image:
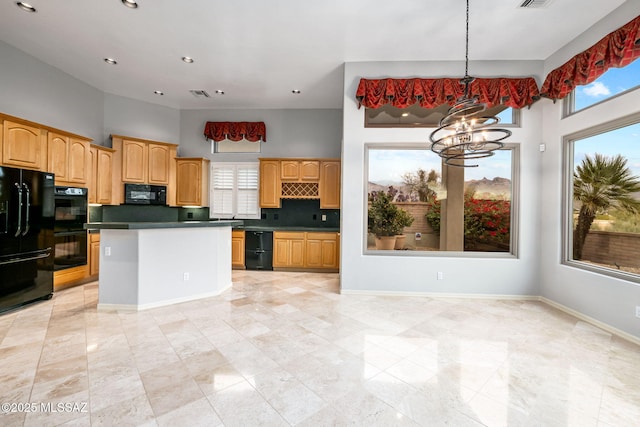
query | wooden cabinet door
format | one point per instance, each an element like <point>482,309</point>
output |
<point>314,252</point>
<point>289,170</point>
<point>135,161</point>
<point>23,146</point>
<point>281,252</point>
<point>159,161</point>
<point>269,184</point>
<point>297,253</point>
<point>93,176</point>
<point>309,170</point>
<point>58,156</point>
<point>237,249</point>
<point>104,183</point>
<point>329,186</point>
<point>288,249</point>
<point>78,164</point>
<point>189,183</point>
<point>94,257</point>
<point>322,250</point>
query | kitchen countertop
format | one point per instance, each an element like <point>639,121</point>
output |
<point>285,228</point>
<point>143,225</point>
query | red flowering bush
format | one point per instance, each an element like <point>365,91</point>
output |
<point>484,220</point>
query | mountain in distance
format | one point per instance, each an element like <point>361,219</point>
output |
<point>496,188</point>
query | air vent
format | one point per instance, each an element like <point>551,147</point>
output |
<point>535,4</point>
<point>200,93</point>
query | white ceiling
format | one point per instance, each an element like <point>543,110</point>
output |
<point>257,51</point>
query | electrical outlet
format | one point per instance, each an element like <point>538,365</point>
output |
<point>107,251</point>
<point>637,310</point>
<point>440,275</point>
<point>324,217</point>
<point>185,276</point>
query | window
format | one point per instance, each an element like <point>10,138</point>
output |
<point>416,116</point>
<point>228,146</point>
<point>612,83</point>
<point>411,178</point>
<point>234,191</point>
<point>602,196</point>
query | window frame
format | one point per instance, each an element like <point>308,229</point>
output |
<point>568,149</point>
<point>513,253</point>
<point>235,190</point>
<point>569,102</point>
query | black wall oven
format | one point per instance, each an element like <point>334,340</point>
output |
<point>70,237</point>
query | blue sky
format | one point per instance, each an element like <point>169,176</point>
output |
<point>624,141</point>
<point>387,166</point>
<point>613,82</point>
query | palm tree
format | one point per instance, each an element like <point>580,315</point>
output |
<point>600,183</point>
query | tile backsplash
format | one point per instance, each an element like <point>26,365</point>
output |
<point>302,213</point>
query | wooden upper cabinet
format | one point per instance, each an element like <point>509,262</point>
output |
<point>100,183</point>
<point>299,170</point>
<point>309,170</point>
<point>23,146</point>
<point>159,161</point>
<point>78,167</point>
<point>68,158</point>
<point>289,170</point>
<point>104,184</point>
<point>269,183</point>
<point>192,181</point>
<point>330,185</point>
<point>135,161</point>
<point>58,155</point>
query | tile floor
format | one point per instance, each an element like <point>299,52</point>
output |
<point>284,349</point>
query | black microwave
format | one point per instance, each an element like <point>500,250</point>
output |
<point>145,194</point>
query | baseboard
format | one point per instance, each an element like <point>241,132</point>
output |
<point>439,295</point>
<point>140,307</point>
<point>599,324</point>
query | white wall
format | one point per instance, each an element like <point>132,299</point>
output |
<point>600,297</point>
<point>129,117</point>
<point>417,274</point>
<point>290,133</point>
<point>35,91</point>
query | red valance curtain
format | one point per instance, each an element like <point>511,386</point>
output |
<point>235,131</point>
<point>617,49</point>
<point>430,93</point>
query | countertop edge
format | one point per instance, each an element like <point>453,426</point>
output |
<point>142,225</point>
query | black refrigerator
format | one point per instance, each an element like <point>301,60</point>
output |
<point>26,236</point>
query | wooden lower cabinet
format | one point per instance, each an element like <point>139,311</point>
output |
<point>94,254</point>
<point>305,250</point>
<point>322,250</point>
<point>288,249</point>
<point>237,249</point>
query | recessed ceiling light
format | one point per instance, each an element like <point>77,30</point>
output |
<point>25,6</point>
<point>110,61</point>
<point>220,92</point>
<point>296,91</point>
<point>130,4</point>
<point>187,59</point>
<point>158,92</point>
<point>405,114</point>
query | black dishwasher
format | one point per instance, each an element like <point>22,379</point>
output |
<point>258,250</point>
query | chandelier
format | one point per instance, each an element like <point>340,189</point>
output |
<point>464,133</point>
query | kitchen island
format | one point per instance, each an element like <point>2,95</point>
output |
<point>152,264</point>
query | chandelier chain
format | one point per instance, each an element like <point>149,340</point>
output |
<point>466,54</point>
